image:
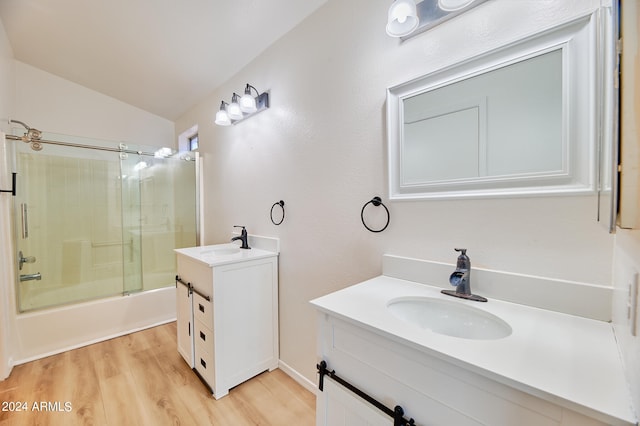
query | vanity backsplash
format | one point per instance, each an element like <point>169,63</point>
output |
<point>570,297</point>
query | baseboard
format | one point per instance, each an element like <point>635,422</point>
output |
<point>299,378</point>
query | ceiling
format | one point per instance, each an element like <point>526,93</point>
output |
<point>162,56</point>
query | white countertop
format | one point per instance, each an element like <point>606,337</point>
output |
<point>224,254</point>
<point>567,360</point>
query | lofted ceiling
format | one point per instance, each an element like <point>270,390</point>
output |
<point>162,56</point>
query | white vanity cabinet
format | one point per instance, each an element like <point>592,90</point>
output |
<point>430,390</point>
<point>233,321</point>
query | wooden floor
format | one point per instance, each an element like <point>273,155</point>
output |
<point>140,379</point>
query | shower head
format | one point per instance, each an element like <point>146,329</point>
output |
<point>20,123</point>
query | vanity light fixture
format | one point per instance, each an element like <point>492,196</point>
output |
<point>242,107</point>
<point>407,19</point>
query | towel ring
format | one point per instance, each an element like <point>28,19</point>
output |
<point>376,201</point>
<point>281,204</point>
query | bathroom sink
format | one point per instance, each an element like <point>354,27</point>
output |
<point>223,250</point>
<point>451,318</point>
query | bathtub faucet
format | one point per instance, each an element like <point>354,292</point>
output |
<point>243,237</point>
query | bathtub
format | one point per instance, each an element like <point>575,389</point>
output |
<point>47,332</point>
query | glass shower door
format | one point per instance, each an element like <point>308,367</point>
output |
<point>169,204</point>
<point>161,192</point>
<point>130,165</point>
<point>68,226</point>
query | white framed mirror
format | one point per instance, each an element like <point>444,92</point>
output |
<point>517,121</point>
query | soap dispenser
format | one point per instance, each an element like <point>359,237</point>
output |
<point>461,279</point>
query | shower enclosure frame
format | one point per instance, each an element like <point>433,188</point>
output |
<point>101,310</point>
<point>33,137</point>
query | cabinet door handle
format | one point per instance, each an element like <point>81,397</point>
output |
<point>189,329</point>
<point>25,221</point>
<point>204,364</point>
<point>201,307</point>
<point>203,336</point>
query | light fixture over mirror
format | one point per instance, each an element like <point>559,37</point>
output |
<point>242,107</point>
<point>407,19</point>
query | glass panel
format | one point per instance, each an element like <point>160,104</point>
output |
<point>131,164</point>
<point>68,206</point>
<point>167,193</point>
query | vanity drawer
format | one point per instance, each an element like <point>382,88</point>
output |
<point>204,361</point>
<point>203,335</point>
<point>203,310</point>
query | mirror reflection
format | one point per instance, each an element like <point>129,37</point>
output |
<point>518,108</point>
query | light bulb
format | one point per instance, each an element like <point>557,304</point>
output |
<point>234,111</point>
<point>222,118</point>
<point>402,9</point>
<point>402,18</point>
<point>248,103</point>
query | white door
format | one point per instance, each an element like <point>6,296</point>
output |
<point>184,314</point>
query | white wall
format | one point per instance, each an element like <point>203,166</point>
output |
<point>52,104</point>
<point>321,148</point>
<point>7,94</point>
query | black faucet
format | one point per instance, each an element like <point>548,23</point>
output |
<point>461,279</point>
<point>242,237</point>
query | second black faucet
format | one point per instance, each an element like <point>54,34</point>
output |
<point>242,237</point>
